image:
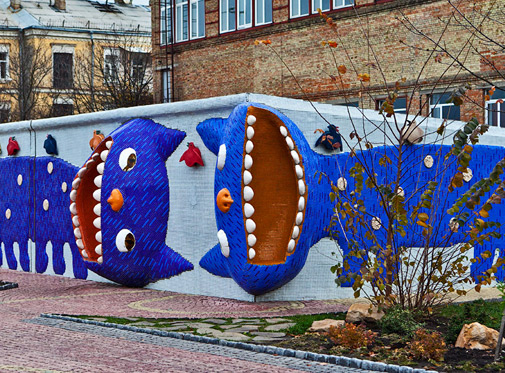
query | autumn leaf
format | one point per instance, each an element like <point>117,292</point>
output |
<point>364,77</point>
<point>332,44</point>
<point>342,69</point>
<point>266,42</point>
<point>499,101</point>
<point>319,130</point>
<point>492,90</point>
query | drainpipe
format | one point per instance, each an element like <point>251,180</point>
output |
<point>92,69</point>
<point>34,194</point>
<point>21,98</point>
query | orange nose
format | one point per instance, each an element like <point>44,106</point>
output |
<point>115,200</point>
<point>223,200</point>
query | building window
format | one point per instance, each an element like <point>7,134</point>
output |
<point>197,18</point>
<point>4,62</point>
<point>139,64</point>
<point>440,108</point>
<point>181,20</point>
<point>62,107</point>
<point>400,105</point>
<point>166,86</point>
<point>110,64</point>
<point>244,17</point>
<point>63,66</point>
<point>5,110</point>
<point>495,109</point>
<point>300,8</point>
<point>166,22</point>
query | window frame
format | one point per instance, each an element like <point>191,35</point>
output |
<point>500,113</point>
<point>4,48</point>
<point>380,101</point>
<point>440,104</point>
<point>254,14</point>
<point>176,31</point>
<point>312,7</point>
<point>166,36</point>
<point>5,108</point>
<point>63,49</point>
<point>111,51</point>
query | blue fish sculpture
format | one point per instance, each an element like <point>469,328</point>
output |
<point>120,205</point>
<point>273,202</point>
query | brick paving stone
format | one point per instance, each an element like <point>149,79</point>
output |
<point>276,327</point>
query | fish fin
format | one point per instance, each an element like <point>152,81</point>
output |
<point>173,264</point>
<point>214,262</point>
<point>168,140</point>
<point>210,132</point>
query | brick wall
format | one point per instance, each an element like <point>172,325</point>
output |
<point>372,38</point>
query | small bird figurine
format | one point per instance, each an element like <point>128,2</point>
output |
<point>330,139</point>
<point>96,139</point>
<point>13,146</point>
<point>192,156</point>
<point>50,145</point>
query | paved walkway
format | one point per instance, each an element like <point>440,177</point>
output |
<point>30,343</point>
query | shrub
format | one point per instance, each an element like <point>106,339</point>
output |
<point>351,336</point>
<point>400,321</point>
<point>428,346</point>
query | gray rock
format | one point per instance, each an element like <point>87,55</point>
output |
<point>208,331</point>
<point>238,321</point>
<point>276,320</point>
<point>276,327</point>
<point>269,334</point>
<point>215,321</point>
<point>234,337</point>
<point>244,329</point>
<point>198,325</point>
<point>104,319</point>
<point>229,326</point>
<point>142,323</point>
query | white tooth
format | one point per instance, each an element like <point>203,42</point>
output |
<point>100,168</point>
<point>248,210</point>
<point>98,249</point>
<point>98,181</point>
<point>249,146</point>
<point>98,236</point>
<point>223,242</point>
<point>251,119</point>
<point>108,144</point>
<point>97,223</point>
<point>252,253</point>
<point>221,157</point>
<point>296,232</point>
<point>251,240</point>
<point>248,193</point>
<point>247,177</point>
<point>295,156</point>
<point>79,244</point>
<point>250,133</point>
<point>299,218</point>
<point>94,155</point>
<point>73,208</point>
<point>73,194</point>
<point>97,194</point>
<point>301,187</point>
<point>104,155</point>
<point>84,253</point>
<point>76,182</point>
<point>100,260</point>
<point>97,209</point>
<point>75,220</point>
<point>77,233</point>
<point>89,163</point>
<point>250,225</point>
<point>299,171</point>
<point>291,245</point>
<point>81,172</point>
<point>284,131</point>
<point>248,161</point>
<point>291,146</point>
<point>301,204</point>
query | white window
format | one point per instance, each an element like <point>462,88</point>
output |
<point>197,19</point>
<point>181,20</point>
<point>299,8</point>
<point>4,62</point>
<point>399,106</point>
<point>166,22</point>
<point>244,13</point>
<point>263,12</point>
<point>495,109</point>
<point>227,14</point>
<point>440,108</point>
<point>342,3</point>
<point>324,5</point>
<point>111,64</point>
<point>166,86</point>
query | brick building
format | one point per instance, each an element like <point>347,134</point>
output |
<point>204,48</point>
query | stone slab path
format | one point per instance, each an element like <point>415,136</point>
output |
<point>30,343</point>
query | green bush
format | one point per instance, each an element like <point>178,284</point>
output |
<point>399,321</point>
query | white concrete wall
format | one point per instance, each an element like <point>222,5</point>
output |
<point>192,226</point>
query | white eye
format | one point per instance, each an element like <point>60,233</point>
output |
<point>125,241</point>
<point>127,159</point>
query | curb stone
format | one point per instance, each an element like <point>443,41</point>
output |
<point>271,350</point>
<point>8,285</point>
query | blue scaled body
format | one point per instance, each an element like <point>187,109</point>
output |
<point>232,256</point>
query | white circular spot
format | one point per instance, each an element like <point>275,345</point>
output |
<point>64,187</point>
<point>8,214</point>
<point>50,167</point>
<point>400,191</point>
<point>20,179</point>
<point>428,161</point>
<point>127,159</point>
<point>125,240</point>
<point>45,205</point>
<point>468,175</point>
<point>342,183</point>
<point>454,225</point>
<point>376,223</point>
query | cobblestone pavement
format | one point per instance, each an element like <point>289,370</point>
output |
<point>30,343</point>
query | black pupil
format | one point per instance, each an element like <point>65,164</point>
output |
<point>129,241</point>
<point>132,159</point>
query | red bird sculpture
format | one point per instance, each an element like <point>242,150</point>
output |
<point>13,146</point>
<point>192,156</point>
